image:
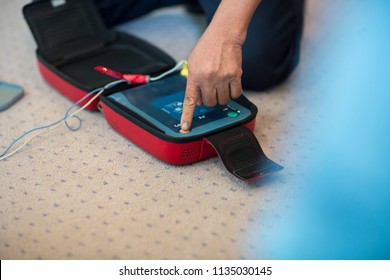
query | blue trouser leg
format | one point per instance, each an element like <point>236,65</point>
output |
<point>271,48</point>
<point>118,11</point>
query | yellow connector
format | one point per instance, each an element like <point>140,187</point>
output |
<point>184,70</point>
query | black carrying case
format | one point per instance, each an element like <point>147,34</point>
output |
<point>72,39</point>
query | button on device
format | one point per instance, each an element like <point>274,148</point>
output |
<point>232,114</point>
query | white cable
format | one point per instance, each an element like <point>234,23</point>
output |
<point>55,125</point>
<point>65,119</point>
<point>170,71</point>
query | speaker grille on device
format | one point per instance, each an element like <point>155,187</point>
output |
<point>189,152</point>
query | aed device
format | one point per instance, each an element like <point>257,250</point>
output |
<point>72,40</point>
<point>149,115</point>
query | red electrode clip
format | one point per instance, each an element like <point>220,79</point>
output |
<point>138,79</point>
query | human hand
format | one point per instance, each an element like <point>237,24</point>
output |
<point>214,74</point>
<point>214,65</point>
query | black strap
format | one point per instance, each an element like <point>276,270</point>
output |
<point>241,154</point>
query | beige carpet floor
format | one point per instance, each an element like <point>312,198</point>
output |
<point>92,194</point>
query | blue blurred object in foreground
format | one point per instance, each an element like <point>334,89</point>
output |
<point>343,210</point>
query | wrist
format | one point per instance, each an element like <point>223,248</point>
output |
<point>232,19</point>
<point>223,33</point>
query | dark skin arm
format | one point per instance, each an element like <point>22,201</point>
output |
<point>215,63</point>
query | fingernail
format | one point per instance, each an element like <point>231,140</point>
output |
<point>185,126</point>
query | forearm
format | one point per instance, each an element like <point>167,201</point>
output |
<point>232,18</point>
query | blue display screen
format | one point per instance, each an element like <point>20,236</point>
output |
<point>173,105</point>
<point>163,102</point>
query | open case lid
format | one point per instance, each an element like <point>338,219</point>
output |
<point>72,39</point>
<point>61,27</point>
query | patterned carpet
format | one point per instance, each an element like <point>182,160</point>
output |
<point>92,194</point>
